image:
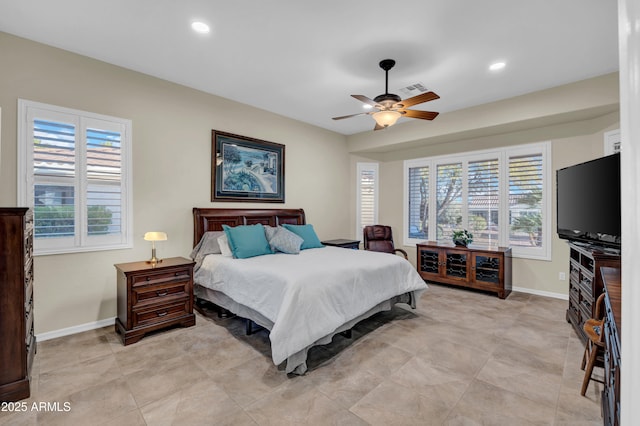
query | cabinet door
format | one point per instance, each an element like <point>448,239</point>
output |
<point>429,265</point>
<point>456,265</point>
<point>486,268</point>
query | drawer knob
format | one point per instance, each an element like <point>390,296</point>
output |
<point>161,293</point>
<point>148,278</point>
<point>161,314</point>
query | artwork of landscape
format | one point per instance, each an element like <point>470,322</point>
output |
<point>247,169</point>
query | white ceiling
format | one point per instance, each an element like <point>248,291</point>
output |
<point>303,59</point>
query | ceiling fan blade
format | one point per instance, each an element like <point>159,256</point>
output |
<point>424,97</point>
<point>379,127</point>
<point>348,116</point>
<point>366,100</point>
<point>424,115</point>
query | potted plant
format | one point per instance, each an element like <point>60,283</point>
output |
<point>462,237</point>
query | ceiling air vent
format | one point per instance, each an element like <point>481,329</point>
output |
<point>413,90</point>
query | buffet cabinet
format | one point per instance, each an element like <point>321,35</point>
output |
<point>479,268</point>
<point>18,345</point>
<point>585,282</point>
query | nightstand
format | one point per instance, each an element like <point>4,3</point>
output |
<point>153,297</point>
<point>350,244</point>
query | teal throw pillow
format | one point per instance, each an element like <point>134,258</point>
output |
<point>247,241</point>
<point>307,233</point>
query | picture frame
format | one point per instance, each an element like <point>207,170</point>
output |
<point>246,169</point>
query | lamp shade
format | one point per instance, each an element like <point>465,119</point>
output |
<point>155,236</point>
<point>386,118</point>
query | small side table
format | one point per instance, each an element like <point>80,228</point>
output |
<point>349,244</point>
<point>153,297</point>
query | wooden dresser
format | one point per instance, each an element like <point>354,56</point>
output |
<point>585,282</point>
<point>474,267</point>
<point>611,279</point>
<point>17,339</point>
<point>154,296</point>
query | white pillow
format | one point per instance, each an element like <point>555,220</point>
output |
<point>224,246</point>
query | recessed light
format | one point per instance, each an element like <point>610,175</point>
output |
<point>200,27</point>
<point>496,66</point>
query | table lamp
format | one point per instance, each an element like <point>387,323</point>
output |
<point>153,237</point>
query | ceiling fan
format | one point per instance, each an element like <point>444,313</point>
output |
<point>389,107</point>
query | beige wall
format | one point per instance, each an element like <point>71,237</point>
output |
<point>171,166</point>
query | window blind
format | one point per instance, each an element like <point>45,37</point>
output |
<point>418,188</point>
<point>525,200</point>
<point>483,201</point>
<point>449,200</point>
<point>54,170</point>
<point>367,197</point>
<point>104,177</point>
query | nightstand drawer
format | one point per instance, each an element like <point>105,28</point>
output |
<point>152,294</point>
<point>163,277</point>
<point>160,313</point>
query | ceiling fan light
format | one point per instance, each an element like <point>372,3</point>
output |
<point>386,118</point>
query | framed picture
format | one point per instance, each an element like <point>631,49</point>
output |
<point>246,169</point>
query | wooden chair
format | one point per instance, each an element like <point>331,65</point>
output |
<point>594,328</point>
<point>380,238</point>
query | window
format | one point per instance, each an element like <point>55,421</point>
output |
<point>448,199</point>
<point>418,196</point>
<point>483,201</point>
<point>367,196</point>
<point>74,171</point>
<point>502,196</point>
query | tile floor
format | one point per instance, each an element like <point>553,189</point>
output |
<point>462,358</point>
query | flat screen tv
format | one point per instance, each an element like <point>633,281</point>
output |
<point>589,202</point>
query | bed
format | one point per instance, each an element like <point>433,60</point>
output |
<point>300,299</point>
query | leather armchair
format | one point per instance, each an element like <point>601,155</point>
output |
<point>380,238</point>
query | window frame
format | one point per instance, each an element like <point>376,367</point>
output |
<point>81,241</point>
<point>361,167</point>
<point>503,155</point>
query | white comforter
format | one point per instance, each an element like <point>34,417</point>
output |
<point>310,295</point>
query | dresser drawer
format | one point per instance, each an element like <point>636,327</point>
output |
<point>159,293</point>
<point>174,275</point>
<point>160,313</point>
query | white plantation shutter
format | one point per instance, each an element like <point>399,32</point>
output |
<point>367,196</point>
<point>483,201</point>
<point>449,200</point>
<point>418,195</point>
<point>104,179</point>
<point>74,171</point>
<point>525,200</point>
<point>501,196</point>
<point>54,177</point>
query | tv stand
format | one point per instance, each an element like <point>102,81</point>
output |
<point>585,282</point>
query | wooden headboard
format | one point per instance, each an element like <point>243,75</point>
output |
<point>205,219</point>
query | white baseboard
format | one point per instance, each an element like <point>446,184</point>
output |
<point>75,329</point>
<point>541,293</point>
